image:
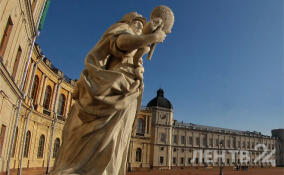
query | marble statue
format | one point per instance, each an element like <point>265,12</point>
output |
<point>108,95</point>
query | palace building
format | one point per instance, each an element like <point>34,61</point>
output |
<point>38,136</point>
<point>42,116</point>
<point>19,22</point>
<point>162,142</point>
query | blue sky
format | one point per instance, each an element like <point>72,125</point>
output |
<point>222,65</point>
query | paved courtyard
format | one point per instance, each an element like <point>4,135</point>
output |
<point>191,171</point>
<point>214,171</point>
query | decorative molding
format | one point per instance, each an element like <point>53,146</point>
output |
<point>9,80</point>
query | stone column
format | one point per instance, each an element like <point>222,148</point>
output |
<point>67,104</point>
<point>28,80</point>
<point>185,135</point>
<point>150,124</point>
<point>157,135</point>
<point>43,90</point>
<point>192,134</point>
<point>56,100</point>
<point>224,144</point>
<point>142,155</point>
<point>146,124</point>
<point>199,140</point>
<point>40,89</point>
<point>53,105</point>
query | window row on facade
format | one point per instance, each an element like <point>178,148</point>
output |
<point>198,161</point>
<point>241,143</point>
<point>43,93</point>
<point>40,146</point>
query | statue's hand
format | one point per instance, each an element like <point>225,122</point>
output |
<point>159,36</point>
<point>152,26</point>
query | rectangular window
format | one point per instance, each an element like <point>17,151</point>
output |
<point>211,141</point>
<point>162,148</point>
<point>163,137</point>
<point>189,160</point>
<point>244,144</point>
<point>196,160</point>
<point>239,144</point>
<point>229,143</point>
<point>17,60</point>
<point>234,142</point>
<point>217,142</point>
<point>222,142</point>
<point>181,160</point>
<point>190,140</point>
<point>197,141</point>
<point>204,141</point>
<point>2,137</point>
<point>182,139</point>
<point>161,160</point>
<point>5,37</point>
<point>175,139</point>
<point>174,160</point>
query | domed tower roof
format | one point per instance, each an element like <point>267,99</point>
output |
<point>160,101</point>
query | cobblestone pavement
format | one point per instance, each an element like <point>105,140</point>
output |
<point>214,171</point>
<point>191,171</point>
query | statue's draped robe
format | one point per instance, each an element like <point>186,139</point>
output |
<point>97,132</point>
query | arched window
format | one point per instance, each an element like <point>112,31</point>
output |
<point>47,97</point>
<point>61,104</point>
<point>40,146</point>
<point>27,144</point>
<point>15,142</point>
<point>140,125</point>
<point>56,147</point>
<point>35,87</point>
<point>138,155</point>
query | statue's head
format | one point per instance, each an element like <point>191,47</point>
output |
<point>132,16</point>
<point>135,21</point>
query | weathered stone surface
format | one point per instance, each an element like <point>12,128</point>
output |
<point>97,132</point>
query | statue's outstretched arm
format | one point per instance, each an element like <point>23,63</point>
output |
<point>128,42</point>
